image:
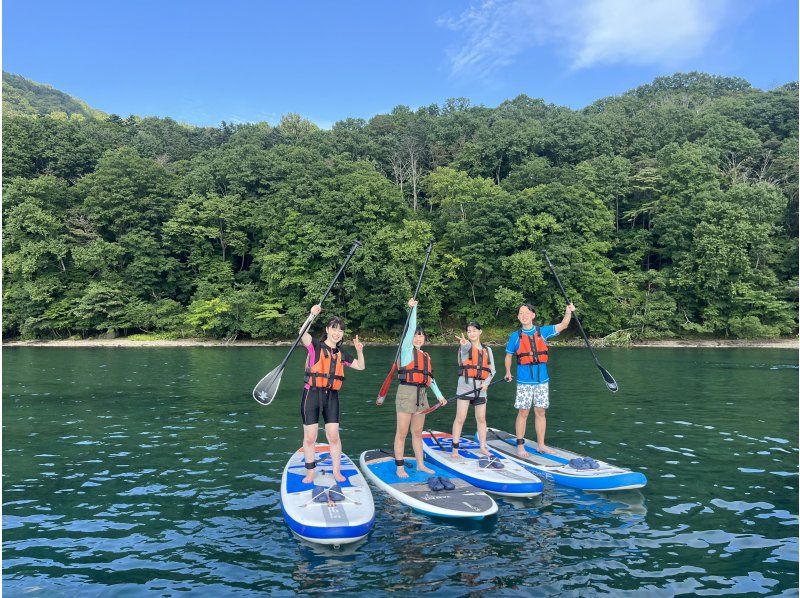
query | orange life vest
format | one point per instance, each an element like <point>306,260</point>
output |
<point>477,366</point>
<point>418,372</point>
<point>531,352</point>
<point>328,371</point>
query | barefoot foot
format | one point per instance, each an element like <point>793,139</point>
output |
<point>401,472</point>
<point>338,476</point>
<point>544,449</point>
<point>425,469</point>
<point>521,452</point>
<point>309,477</point>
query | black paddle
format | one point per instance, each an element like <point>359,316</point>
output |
<point>387,382</point>
<point>608,378</point>
<point>466,394</point>
<point>267,388</point>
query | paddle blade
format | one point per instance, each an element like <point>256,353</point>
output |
<point>386,384</point>
<point>609,379</point>
<point>267,388</point>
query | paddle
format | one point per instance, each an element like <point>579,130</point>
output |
<point>267,388</point>
<point>466,394</point>
<point>608,378</point>
<point>393,370</point>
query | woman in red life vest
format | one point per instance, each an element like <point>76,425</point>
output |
<point>324,377</point>
<point>416,376</point>
<point>475,372</point>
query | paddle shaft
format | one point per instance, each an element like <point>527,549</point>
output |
<point>574,315</point>
<point>387,382</point>
<point>355,246</point>
<point>466,394</point>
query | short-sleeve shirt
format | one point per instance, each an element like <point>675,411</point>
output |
<point>534,373</point>
<point>315,350</point>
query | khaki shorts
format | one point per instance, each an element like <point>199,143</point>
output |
<point>407,398</point>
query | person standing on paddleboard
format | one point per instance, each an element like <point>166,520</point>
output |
<point>475,372</point>
<point>416,376</point>
<point>324,377</point>
<point>533,388</point>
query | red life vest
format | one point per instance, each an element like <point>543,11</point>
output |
<point>328,371</point>
<point>418,372</point>
<point>477,366</point>
<point>531,352</point>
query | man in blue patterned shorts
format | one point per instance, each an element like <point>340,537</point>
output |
<point>533,389</point>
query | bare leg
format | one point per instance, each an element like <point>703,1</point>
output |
<point>332,432</point>
<point>417,423</point>
<point>540,422</point>
<point>309,452</point>
<point>403,422</point>
<point>480,419</point>
<point>462,407</point>
<point>522,420</point>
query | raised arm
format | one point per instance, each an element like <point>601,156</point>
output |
<point>358,363</point>
<point>407,345</point>
<point>306,337</point>
<point>562,325</point>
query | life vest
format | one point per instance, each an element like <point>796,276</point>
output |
<point>531,352</point>
<point>476,366</point>
<point>418,372</point>
<point>328,371</point>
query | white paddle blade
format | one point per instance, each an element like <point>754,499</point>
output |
<point>267,388</point>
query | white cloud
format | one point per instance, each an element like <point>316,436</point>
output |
<point>585,32</point>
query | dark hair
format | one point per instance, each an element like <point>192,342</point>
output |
<point>335,322</point>
<point>474,324</point>
<point>421,330</point>
<point>528,305</point>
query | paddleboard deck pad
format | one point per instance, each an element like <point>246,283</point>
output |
<point>511,479</point>
<point>556,467</point>
<point>348,520</point>
<point>464,502</point>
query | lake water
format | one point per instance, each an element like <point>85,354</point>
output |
<point>153,472</point>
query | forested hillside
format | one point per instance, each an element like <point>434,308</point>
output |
<point>670,211</point>
<point>23,96</point>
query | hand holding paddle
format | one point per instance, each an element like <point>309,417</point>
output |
<point>267,388</point>
<point>608,378</point>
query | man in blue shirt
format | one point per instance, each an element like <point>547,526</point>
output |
<point>533,389</point>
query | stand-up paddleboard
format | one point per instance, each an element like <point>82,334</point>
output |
<point>557,467</point>
<point>499,475</point>
<point>351,516</point>
<point>465,501</point>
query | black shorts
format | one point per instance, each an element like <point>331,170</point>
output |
<point>474,401</point>
<point>316,400</point>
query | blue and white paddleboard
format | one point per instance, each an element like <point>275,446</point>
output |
<point>348,520</point>
<point>557,468</point>
<point>512,479</point>
<point>464,502</point>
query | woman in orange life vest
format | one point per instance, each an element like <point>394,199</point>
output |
<point>475,372</point>
<point>416,376</point>
<point>533,388</point>
<point>324,376</point>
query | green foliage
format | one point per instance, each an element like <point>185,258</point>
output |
<point>671,209</point>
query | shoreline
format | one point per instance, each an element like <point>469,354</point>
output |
<point>782,343</point>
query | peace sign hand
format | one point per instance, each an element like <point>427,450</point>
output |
<point>462,339</point>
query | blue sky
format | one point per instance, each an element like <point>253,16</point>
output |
<point>242,61</point>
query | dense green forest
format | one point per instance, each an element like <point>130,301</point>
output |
<point>670,210</point>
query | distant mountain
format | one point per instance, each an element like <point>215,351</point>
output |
<point>23,96</point>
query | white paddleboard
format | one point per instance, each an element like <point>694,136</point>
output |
<point>465,501</point>
<point>348,520</point>
<point>511,479</point>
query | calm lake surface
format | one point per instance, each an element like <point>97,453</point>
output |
<point>153,472</point>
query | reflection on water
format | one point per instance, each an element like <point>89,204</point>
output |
<point>153,471</point>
